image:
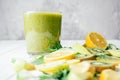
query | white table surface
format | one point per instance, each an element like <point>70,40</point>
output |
<point>16,49</point>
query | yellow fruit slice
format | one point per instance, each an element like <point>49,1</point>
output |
<point>95,40</point>
<point>29,66</point>
<point>53,67</point>
<point>62,54</point>
<point>115,53</point>
<point>109,74</point>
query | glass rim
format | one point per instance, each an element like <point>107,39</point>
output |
<point>45,12</point>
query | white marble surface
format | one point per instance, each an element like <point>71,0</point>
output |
<point>79,17</point>
<point>10,49</point>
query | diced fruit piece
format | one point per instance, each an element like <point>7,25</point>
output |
<point>53,67</point>
<point>100,66</point>
<point>81,71</point>
<point>29,66</point>
<point>81,49</point>
<point>84,57</point>
<point>115,53</point>
<point>109,74</point>
<point>62,54</point>
<point>95,40</point>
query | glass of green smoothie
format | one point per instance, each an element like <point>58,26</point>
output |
<point>42,31</point>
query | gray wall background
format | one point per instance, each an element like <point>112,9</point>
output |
<point>79,17</point>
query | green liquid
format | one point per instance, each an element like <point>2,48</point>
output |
<point>42,31</point>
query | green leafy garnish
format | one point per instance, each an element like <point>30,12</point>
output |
<point>61,75</point>
<point>39,60</point>
<point>97,50</point>
<point>102,55</point>
<point>96,75</point>
<point>56,47</point>
<point>112,47</point>
<point>77,53</point>
<point>46,77</point>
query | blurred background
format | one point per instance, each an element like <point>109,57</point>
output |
<point>79,17</point>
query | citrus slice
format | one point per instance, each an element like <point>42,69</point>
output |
<point>115,53</point>
<point>62,54</point>
<point>95,40</point>
<point>109,74</point>
<point>52,67</point>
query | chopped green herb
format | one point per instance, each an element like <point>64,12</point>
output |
<point>39,60</point>
<point>77,53</point>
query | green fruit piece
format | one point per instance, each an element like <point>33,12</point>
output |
<point>81,49</point>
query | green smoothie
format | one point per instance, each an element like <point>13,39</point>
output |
<point>42,31</point>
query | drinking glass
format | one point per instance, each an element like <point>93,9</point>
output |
<point>42,31</point>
